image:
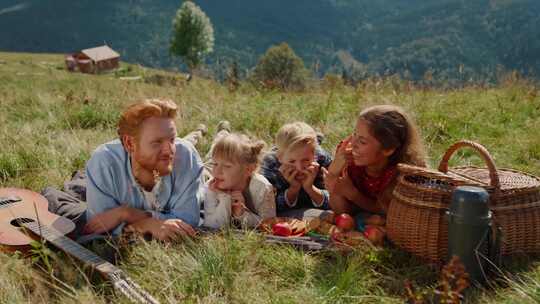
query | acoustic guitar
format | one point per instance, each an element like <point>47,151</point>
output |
<point>24,216</point>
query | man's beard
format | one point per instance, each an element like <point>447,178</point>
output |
<point>156,167</point>
<point>167,171</point>
<point>163,170</point>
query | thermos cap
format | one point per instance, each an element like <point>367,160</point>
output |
<point>470,202</point>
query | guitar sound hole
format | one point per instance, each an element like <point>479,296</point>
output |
<point>22,220</point>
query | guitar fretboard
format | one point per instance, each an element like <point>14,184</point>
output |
<point>72,248</point>
<point>120,281</point>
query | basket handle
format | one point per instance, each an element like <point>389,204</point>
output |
<point>493,174</point>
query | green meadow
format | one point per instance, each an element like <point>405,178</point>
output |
<point>51,120</point>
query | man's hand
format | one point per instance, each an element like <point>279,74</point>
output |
<point>164,230</point>
<point>105,221</point>
<point>311,173</point>
<point>238,203</point>
<point>289,173</point>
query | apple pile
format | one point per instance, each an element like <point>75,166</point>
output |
<point>341,228</point>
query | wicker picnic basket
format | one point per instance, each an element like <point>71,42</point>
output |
<point>416,219</point>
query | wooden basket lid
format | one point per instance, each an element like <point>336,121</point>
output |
<point>509,179</point>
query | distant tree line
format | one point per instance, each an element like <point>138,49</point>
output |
<point>443,40</point>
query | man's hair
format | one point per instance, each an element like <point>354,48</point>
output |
<point>132,118</point>
<point>294,135</point>
<point>238,148</point>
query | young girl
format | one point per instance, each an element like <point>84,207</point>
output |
<point>363,173</point>
<point>236,192</point>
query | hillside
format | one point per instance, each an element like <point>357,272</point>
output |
<point>450,40</point>
<point>52,120</point>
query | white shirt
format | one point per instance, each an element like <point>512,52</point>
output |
<point>217,205</point>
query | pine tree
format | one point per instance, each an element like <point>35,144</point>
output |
<point>193,35</point>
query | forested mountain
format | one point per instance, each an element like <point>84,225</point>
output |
<point>446,39</point>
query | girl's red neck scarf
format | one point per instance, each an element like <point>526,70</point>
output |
<point>369,185</point>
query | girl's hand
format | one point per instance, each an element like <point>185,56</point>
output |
<point>238,204</point>
<point>212,185</point>
<point>289,173</point>
<point>342,157</point>
<point>311,173</point>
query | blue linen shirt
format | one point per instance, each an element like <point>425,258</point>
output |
<point>111,184</point>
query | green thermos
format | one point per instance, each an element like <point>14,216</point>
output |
<point>470,231</point>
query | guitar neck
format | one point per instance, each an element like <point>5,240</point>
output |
<point>72,248</point>
<point>120,280</point>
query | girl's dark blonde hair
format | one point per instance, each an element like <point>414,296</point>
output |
<point>394,129</point>
<point>295,134</point>
<point>238,148</point>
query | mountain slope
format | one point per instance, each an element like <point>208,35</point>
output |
<point>451,39</point>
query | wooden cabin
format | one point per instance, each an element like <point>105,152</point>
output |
<point>93,60</point>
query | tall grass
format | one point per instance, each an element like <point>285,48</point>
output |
<point>52,120</point>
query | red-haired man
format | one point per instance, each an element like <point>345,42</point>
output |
<point>148,180</point>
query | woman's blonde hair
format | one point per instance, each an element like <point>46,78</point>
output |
<point>132,118</point>
<point>238,148</point>
<point>394,129</point>
<point>293,135</point>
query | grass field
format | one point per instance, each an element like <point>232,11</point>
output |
<point>51,120</point>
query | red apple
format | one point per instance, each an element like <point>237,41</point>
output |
<point>345,222</point>
<point>376,220</point>
<point>374,234</point>
<point>282,229</point>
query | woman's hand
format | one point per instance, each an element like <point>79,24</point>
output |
<point>341,184</point>
<point>329,180</point>
<point>337,168</point>
<point>344,185</point>
<point>342,157</point>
